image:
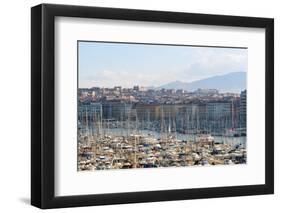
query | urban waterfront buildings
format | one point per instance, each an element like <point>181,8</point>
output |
<point>181,111</point>
<point>243,109</point>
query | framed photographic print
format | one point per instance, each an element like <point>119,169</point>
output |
<point>139,106</point>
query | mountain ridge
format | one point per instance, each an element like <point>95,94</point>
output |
<point>231,82</point>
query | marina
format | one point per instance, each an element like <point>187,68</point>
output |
<point>147,149</point>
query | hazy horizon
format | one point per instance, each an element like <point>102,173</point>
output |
<point>159,87</point>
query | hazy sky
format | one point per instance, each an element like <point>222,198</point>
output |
<point>116,64</point>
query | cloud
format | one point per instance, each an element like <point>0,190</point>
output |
<point>215,62</point>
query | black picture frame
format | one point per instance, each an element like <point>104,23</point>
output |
<point>43,102</point>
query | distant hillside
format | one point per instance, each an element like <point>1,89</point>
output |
<point>232,82</point>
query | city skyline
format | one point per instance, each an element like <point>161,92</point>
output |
<point>135,111</point>
<point>121,64</point>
